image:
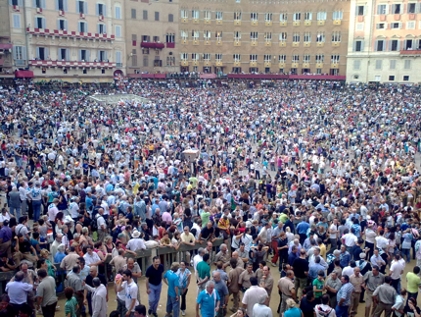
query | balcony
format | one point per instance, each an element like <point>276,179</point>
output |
<point>155,45</point>
<point>16,8</point>
<point>170,45</point>
<point>39,10</point>
<point>71,34</point>
<point>411,52</point>
<point>40,63</point>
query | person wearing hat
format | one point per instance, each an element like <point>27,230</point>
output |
<point>370,237</point>
<point>136,243</point>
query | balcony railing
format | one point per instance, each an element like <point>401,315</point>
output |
<point>411,52</point>
<point>154,45</point>
<point>72,34</point>
<point>42,63</point>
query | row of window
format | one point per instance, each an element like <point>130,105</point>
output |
<point>391,45</point>
<point>267,36</point>
<point>254,16</point>
<point>398,8</point>
<point>296,58</point>
<point>379,64</point>
<point>145,15</point>
<point>41,23</point>
<point>81,6</point>
<point>63,54</point>
<point>410,25</point>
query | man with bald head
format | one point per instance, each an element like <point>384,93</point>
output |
<point>93,273</point>
<point>235,255</point>
<point>222,290</point>
<point>54,246</point>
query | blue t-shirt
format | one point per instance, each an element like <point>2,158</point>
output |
<point>207,303</point>
<point>173,282</point>
<point>293,312</point>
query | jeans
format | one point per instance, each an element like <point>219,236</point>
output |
<point>15,211</point>
<point>154,296</point>
<point>36,205</point>
<point>341,311</point>
<point>406,253</point>
<point>173,306</point>
<point>121,307</point>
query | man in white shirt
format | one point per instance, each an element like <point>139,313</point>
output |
<point>136,243</point>
<point>131,291</point>
<point>381,241</point>
<point>396,270</point>
<point>198,258</point>
<point>334,234</point>
<point>350,240</point>
<point>52,213</point>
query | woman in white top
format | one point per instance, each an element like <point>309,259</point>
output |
<point>370,238</point>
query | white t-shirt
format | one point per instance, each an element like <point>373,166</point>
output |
<point>381,242</point>
<point>370,235</point>
<point>130,293</point>
<point>396,268</point>
<point>350,239</point>
<point>333,228</point>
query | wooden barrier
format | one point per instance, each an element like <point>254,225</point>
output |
<point>168,255</point>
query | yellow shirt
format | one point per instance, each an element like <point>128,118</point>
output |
<point>412,282</point>
<point>323,251</point>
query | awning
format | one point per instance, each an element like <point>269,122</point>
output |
<point>5,46</point>
<point>24,74</point>
<point>152,45</point>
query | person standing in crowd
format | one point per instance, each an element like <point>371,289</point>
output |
<point>344,297</point>
<point>74,281</point>
<point>153,276</point>
<point>261,308</point>
<point>208,301</point>
<point>384,296</point>
<point>130,288</point>
<point>372,280</point>
<point>222,289</point>
<point>357,281</point>
<point>233,283</point>
<point>173,296</point>
<point>18,290</point>
<point>99,298</point>
<point>46,294</point>
<point>332,285</point>
<point>184,276</point>
<point>287,288</point>
<point>70,307</point>
<point>324,309</point>
<point>301,270</point>
<point>203,273</point>
<point>252,295</point>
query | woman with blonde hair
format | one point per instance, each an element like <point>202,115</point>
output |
<point>45,254</point>
<point>292,309</point>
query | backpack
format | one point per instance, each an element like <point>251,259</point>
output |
<point>94,224</point>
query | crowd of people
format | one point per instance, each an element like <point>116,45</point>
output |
<point>316,179</point>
